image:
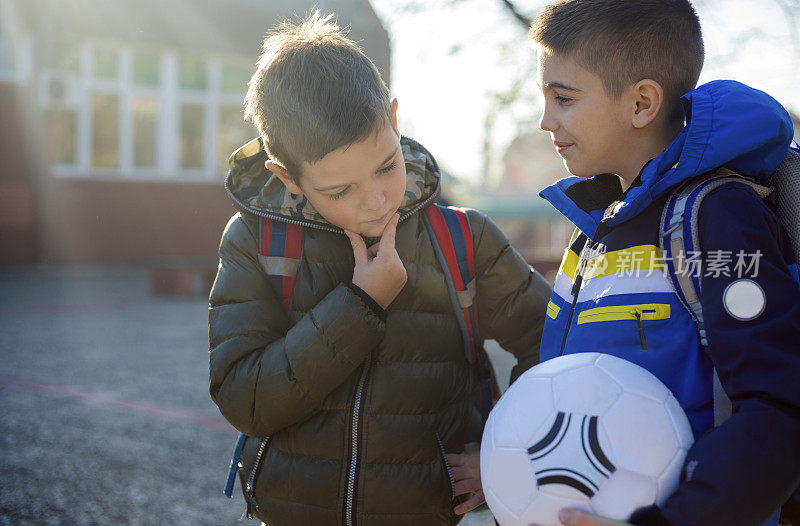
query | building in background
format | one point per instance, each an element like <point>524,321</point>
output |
<point>118,118</point>
<point>533,226</point>
<point>530,162</point>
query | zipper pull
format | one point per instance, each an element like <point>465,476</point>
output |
<point>642,339</point>
<point>249,510</point>
<point>576,285</point>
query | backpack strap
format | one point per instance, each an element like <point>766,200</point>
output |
<point>449,228</point>
<point>786,197</point>
<point>452,241</point>
<point>234,466</point>
<point>680,249</point>
<point>280,248</point>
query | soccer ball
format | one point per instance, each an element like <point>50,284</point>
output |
<point>584,430</point>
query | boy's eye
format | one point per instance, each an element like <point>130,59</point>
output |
<point>387,169</point>
<point>339,195</point>
<point>562,100</point>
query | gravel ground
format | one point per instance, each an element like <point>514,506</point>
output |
<point>106,417</point>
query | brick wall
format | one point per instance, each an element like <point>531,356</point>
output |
<point>109,221</point>
<point>18,233</point>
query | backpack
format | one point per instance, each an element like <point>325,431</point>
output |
<point>679,235</point>
<point>280,251</point>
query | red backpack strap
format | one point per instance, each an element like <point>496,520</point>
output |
<point>453,237</point>
<point>281,246</point>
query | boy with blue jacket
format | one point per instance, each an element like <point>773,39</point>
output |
<point>613,73</point>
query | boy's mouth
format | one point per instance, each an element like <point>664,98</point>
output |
<point>380,220</point>
<point>561,147</point>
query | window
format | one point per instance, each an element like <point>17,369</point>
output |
<point>144,113</point>
<point>234,78</point>
<point>232,132</point>
<point>145,68</point>
<point>105,130</point>
<point>61,135</point>
<point>191,136</point>
<point>105,61</point>
<point>192,73</point>
<point>15,46</point>
<point>65,55</point>
<point>137,112</point>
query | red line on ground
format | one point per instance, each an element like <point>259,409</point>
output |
<point>61,310</point>
<point>116,401</point>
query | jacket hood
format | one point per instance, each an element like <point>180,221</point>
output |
<point>728,125</point>
<point>255,189</point>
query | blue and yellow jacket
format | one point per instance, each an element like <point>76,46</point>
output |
<point>612,295</point>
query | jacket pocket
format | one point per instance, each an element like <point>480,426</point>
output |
<point>552,310</point>
<point>642,312</point>
<point>638,313</point>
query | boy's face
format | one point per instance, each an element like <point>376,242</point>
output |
<point>358,187</point>
<point>588,128</point>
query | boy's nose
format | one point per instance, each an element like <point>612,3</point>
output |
<point>547,123</point>
<point>375,200</point>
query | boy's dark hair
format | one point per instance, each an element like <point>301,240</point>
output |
<point>625,41</point>
<point>314,91</point>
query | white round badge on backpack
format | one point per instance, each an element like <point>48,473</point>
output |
<point>744,300</point>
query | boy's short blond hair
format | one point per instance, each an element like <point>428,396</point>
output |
<point>625,41</point>
<point>314,91</point>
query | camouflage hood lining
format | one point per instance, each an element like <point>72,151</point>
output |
<point>255,189</point>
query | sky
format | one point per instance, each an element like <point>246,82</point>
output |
<point>449,56</point>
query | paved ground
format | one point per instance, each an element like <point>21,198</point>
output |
<point>106,417</point>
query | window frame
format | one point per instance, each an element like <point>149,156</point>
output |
<point>22,46</point>
<point>169,96</point>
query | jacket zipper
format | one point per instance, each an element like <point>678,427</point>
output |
<point>576,288</point>
<point>447,467</point>
<point>350,503</point>
<point>642,339</point>
<point>251,478</point>
<point>336,230</point>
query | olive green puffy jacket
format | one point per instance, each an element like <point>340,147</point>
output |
<point>358,411</point>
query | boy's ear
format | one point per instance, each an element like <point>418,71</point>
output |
<point>648,99</point>
<point>284,176</point>
<point>394,115</point>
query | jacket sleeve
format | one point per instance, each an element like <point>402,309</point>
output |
<point>511,296</point>
<point>742,471</point>
<point>265,375</point>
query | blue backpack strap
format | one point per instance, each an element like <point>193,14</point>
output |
<point>452,241</point>
<point>280,250</point>
<point>234,467</point>
<point>679,238</point>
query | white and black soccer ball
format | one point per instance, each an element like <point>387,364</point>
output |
<point>585,430</point>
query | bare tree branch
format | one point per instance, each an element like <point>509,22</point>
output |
<point>524,20</point>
